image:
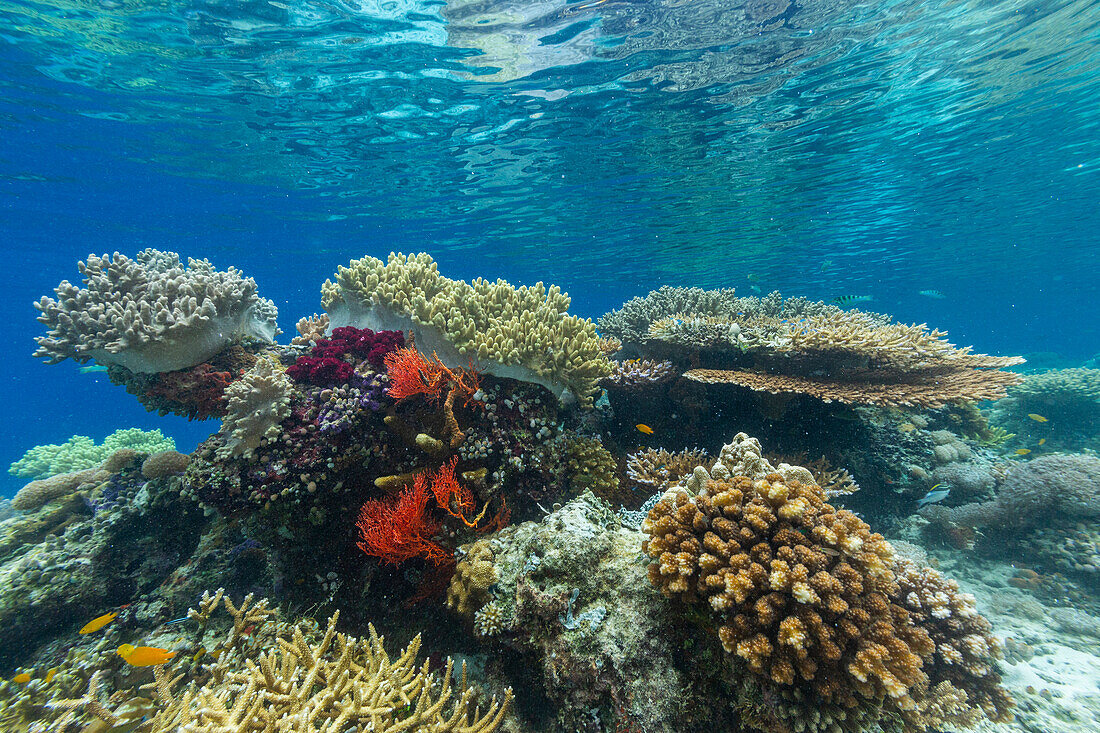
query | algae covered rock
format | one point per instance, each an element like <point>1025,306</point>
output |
<point>571,593</point>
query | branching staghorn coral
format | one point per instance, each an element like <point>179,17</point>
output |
<point>151,313</point>
<point>639,373</point>
<point>522,333</point>
<point>655,469</point>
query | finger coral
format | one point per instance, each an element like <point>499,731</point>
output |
<point>151,313</point>
<point>966,651</point>
<point>800,590</point>
<point>522,333</point>
<point>255,405</point>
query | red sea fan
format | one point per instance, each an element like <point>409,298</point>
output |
<point>399,530</point>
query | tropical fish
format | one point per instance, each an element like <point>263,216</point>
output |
<point>145,656</point>
<point>1022,451</point>
<point>826,264</point>
<point>92,369</point>
<point>643,428</point>
<point>934,495</point>
<point>755,288</point>
<point>1036,417</point>
<point>198,654</point>
<point>50,674</point>
<point>934,294</point>
<point>98,623</point>
<point>849,299</point>
<point>22,678</point>
<point>1042,441</point>
<point>752,277</point>
<point>175,621</point>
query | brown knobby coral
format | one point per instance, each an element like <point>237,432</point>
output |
<point>800,591</point>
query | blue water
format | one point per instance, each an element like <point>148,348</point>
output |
<point>822,148</point>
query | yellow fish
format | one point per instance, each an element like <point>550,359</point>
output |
<point>1022,451</point>
<point>50,674</point>
<point>643,428</point>
<point>1036,417</point>
<point>22,678</point>
<point>98,623</point>
<point>198,654</point>
<point>145,656</point>
<point>1042,441</point>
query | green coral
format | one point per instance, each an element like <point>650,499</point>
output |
<point>590,466</point>
<point>80,452</point>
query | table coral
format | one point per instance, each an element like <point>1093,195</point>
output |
<point>151,313</point>
<point>521,333</point>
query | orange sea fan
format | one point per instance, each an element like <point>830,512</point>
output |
<point>411,374</point>
<point>400,530</point>
<point>449,494</point>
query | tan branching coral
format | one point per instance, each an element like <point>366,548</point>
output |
<point>800,590</point>
<point>835,481</point>
<point>256,404</point>
<point>310,329</point>
<point>339,683</point>
<point>151,313</point>
<point>522,333</point>
<point>655,469</point>
<point>639,373</point>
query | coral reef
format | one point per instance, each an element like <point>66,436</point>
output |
<point>521,333</point>
<point>1067,399</point>
<point>569,595</point>
<point>197,393</point>
<point>754,551</point>
<point>332,683</point>
<point>807,596</point>
<point>966,651</point>
<point>80,452</point>
<point>590,467</point>
<point>42,491</point>
<point>151,313</point>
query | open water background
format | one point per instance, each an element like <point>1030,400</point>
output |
<point>819,148</point>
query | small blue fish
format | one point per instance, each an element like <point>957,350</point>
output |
<point>935,494</point>
<point>176,621</point>
<point>933,294</point>
<point>92,369</point>
<point>849,299</point>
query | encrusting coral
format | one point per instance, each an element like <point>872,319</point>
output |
<point>151,313</point>
<point>521,333</point>
<point>42,491</point>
